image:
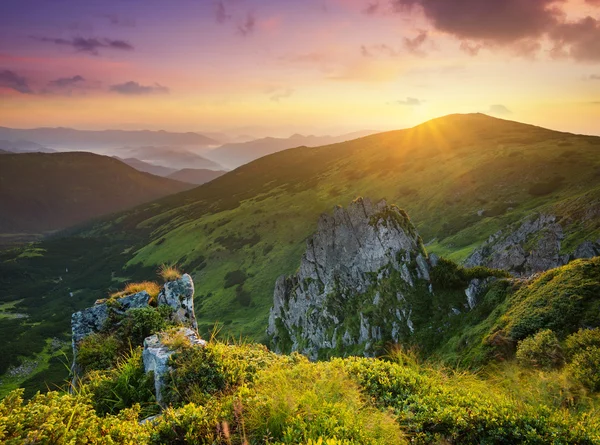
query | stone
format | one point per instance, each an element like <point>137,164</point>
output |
<point>528,247</point>
<point>352,251</point>
<point>179,294</point>
<point>156,356</point>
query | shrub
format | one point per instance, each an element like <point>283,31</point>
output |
<point>582,340</point>
<point>234,278</point>
<point>169,273</point>
<point>545,188</point>
<point>449,275</point>
<point>123,387</point>
<point>191,424</point>
<point>54,418</point>
<point>97,352</point>
<point>540,351</point>
<point>584,367</point>
<point>140,323</point>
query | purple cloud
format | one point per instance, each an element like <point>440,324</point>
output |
<point>132,88</point>
<point>10,79</point>
<point>90,45</point>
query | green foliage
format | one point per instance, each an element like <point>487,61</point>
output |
<point>190,424</point>
<point>435,407</point>
<point>585,365</point>
<point>98,351</point>
<point>545,188</point>
<point>561,300</point>
<point>314,400</point>
<point>582,340</point>
<point>140,323</point>
<point>541,350</point>
<point>54,418</point>
<point>123,387</point>
<point>234,278</point>
<point>450,275</point>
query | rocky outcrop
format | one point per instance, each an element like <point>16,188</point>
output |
<point>531,246</point>
<point>357,284</point>
<point>157,353</point>
<point>177,294</point>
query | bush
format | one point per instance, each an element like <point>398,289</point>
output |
<point>585,367</point>
<point>140,323</point>
<point>234,278</point>
<point>123,387</point>
<point>540,351</point>
<point>191,424</point>
<point>169,273</point>
<point>54,418</point>
<point>97,352</point>
<point>582,340</point>
<point>449,275</point>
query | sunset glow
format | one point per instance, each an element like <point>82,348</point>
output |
<point>279,67</point>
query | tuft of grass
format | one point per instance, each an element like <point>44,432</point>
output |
<point>169,273</point>
<point>151,287</point>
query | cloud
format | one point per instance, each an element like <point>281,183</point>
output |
<point>493,21</point>
<point>221,15</point>
<point>117,20</point>
<point>10,79</point>
<point>276,94</point>
<point>380,49</point>
<point>246,27</point>
<point>498,110</point>
<point>65,82</point>
<point>410,102</point>
<point>472,49</point>
<point>415,44</point>
<point>89,45</point>
<point>371,8</point>
<point>595,77</point>
<point>132,88</point>
<point>578,40</point>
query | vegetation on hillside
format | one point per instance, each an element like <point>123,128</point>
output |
<point>461,178</point>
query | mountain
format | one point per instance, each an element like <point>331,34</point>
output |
<point>462,178</point>
<point>69,138</point>
<point>21,146</point>
<point>167,156</point>
<point>235,154</point>
<point>47,192</point>
<point>196,176</point>
<point>146,167</point>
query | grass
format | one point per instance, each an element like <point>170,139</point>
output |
<point>152,288</point>
<point>169,273</point>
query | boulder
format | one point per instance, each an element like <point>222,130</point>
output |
<point>157,353</point>
<point>179,294</point>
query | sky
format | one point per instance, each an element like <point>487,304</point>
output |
<point>277,67</point>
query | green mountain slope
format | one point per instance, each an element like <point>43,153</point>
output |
<point>46,192</point>
<point>460,178</point>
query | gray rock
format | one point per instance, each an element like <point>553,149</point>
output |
<point>156,357</point>
<point>476,288</point>
<point>351,252</point>
<point>528,247</point>
<point>179,294</point>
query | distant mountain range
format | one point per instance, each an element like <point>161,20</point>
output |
<point>41,192</point>
<point>235,154</point>
<point>171,157</point>
<point>68,138</point>
<point>189,175</point>
<point>196,175</point>
<point>22,146</point>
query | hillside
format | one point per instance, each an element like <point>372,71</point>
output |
<point>21,146</point>
<point>461,178</point>
<point>233,155</point>
<point>47,192</point>
<point>196,176</point>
